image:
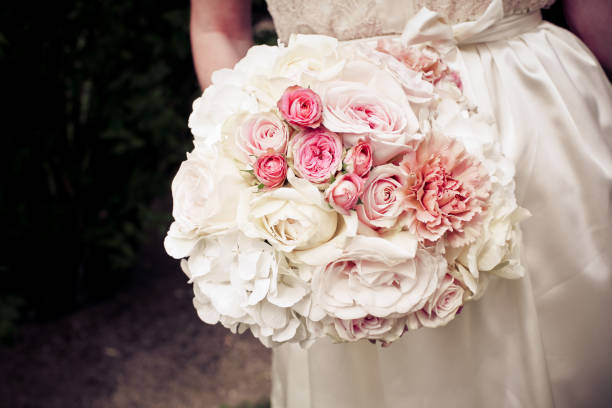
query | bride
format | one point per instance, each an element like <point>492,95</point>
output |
<point>541,341</point>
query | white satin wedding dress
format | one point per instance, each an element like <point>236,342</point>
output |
<point>541,341</point>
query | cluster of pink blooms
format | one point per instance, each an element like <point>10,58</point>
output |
<point>316,153</point>
<point>435,188</point>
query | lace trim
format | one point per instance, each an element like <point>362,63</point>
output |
<point>350,19</point>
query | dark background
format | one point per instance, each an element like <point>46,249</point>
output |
<point>94,126</point>
<point>93,313</point>
<point>98,94</point>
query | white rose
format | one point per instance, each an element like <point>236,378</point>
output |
<point>308,58</point>
<point>377,277</point>
<point>287,219</point>
<point>254,73</point>
<point>257,60</point>
<point>204,192</point>
<point>268,90</point>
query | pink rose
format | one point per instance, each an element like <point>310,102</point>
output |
<point>259,134</point>
<point>317,154</point>
<point>344,193</point>
<point>446,190</point>
<point>382,199</point>
<point>352,107</point>
<point>359,109</point>
<point>358,159</point>
<point>421,59</point>
<point>301,107</point>
<point>442,307</point>
<point>271,170</point>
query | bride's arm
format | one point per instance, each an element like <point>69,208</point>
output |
<point>220,34</point>
<point>590,20</point>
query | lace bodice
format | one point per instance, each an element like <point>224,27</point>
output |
<point>350,19</point>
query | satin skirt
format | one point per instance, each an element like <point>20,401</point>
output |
<point>541,341</point>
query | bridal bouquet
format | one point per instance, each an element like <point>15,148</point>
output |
<point>338,189</point>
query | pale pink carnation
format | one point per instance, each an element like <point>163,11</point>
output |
<point>271,170</point>
<point>446,190</point>
<point>358,159</point>
<point>421,59</point>
<point>382,199</point>
<point>442,307</point>
<point>344,192</point>
<point>317,154</point>
<point>301,107</point>
<point>452,77</point>
<point>259,134</point>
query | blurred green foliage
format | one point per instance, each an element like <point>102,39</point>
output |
<point>98,95</point>
<point>9,315</point>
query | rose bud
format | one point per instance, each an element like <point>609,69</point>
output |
<point>344,193</point>
<point>358,159</point>
<point>271,170</point>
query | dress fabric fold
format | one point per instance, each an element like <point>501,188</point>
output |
<point>541,341</point>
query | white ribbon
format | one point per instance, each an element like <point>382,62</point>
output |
<point>430,27</point>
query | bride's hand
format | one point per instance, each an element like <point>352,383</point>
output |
<point>220,34</point>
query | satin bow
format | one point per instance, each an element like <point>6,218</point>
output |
<point>430,27</point>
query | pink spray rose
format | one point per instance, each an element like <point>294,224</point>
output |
<point>382,199</point>
<point>344,193</point>
<point>369,327</point>
<point>301,107</point>
<point>447,188</point>
<point>260,133</point>
<point>358,159</point>
<point>442,307</point>
<point>271,170</point>
<point>316,153</point>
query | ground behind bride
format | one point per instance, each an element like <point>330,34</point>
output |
<point>144,347</point>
